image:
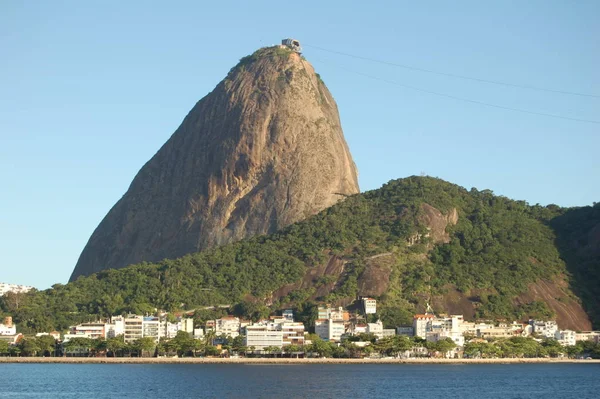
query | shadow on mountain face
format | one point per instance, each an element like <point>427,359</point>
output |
<point>578,240</point>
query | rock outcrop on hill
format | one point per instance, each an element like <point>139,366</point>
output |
<point>263,150</point>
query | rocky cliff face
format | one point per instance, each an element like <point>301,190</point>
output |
<point>263,150</point>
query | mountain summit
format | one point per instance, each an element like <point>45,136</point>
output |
<point>263,150</point>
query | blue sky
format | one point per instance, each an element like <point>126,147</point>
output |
<point>89,91</point>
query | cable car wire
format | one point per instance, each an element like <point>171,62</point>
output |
<point>495,82</point>
<point>460,98</point>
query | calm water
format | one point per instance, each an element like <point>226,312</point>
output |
<point>295,381</point>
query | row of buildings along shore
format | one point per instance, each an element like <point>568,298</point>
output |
<point>332,324</point>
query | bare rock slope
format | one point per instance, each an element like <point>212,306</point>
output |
<point>263,150</point>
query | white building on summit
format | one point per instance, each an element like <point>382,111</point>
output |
<point>292,44</point>
<point>16,288</point>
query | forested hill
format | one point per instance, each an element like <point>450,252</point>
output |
<point>414,241</point>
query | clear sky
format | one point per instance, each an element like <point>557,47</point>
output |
<point>89,91</point>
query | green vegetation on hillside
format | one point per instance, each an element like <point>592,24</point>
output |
<point>497,248</point>
<point>578,239</point>
<point>273,52</point>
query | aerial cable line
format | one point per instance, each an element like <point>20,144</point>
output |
<point>461,98</point>
<point>495,82</point>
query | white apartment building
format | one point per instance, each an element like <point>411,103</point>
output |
<point>116,327</point>
<point>8,328</point>
<point>293,333</point>
<point>375,329</point>
<point>545,329</point>
<point>456,336</point>
<point>471,328</point>
<point>327,312</point>
<point>500,331</point>
<point>133,328</point>
<point>69,336</point>
<point>369,305</point>
<point>154,327</point>
<point>422,324</point>
<point>356,329</point>
<point>588,336</point>
<point>187,325</point>
<point>92,330</point>
<point>261,336</point>
<point>566,337</point>
<point>16,288</point>
<point>172,329</point>
<point>433,328</point>
<point>228,326</point>
<point>330,329</point>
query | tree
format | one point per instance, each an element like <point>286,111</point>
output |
<point>29,346</point>
<point>481,350</point>
<point>253,310</point>
<point>395,316</point>
<point>319,346</point>
<point>237,343</point>
<point>144,345</point>
<point>79,344</point>
<point>209,337</point>
<point>116,345</point>
<point>272,349</point>
<point>183,343</point>
<point>552,347</point>
<point>445,345</point>
<point>100,345</point>
<point>47,345</point>
<point>352,349</point>
<point>290,349</point>
<point>197,346</point>
<point>211,350</point>
<point>3,347</point>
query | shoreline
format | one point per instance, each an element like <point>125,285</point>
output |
<point>283,361</point>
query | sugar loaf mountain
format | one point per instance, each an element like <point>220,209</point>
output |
<point>254,203</point>
<point>263,150</point>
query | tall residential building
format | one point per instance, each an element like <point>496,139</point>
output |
<point>133,328</point>
<point>330,329</point>
<point>375,329</point>
<point>228,326</point>
<point>327,312</point>
<point>593,336</point>
<point>545,329</point>
<point>277,334</point>
<point>187,325</point>
<point>422,324</point>
<point>261,336</point>
<point>91,330</point>
<point>154,328</point>
<point>565,337</point>
<point>369,305</point>
<point>116,327</point>
<point>293,333</point>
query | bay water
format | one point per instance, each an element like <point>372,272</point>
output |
<point>175,381</point>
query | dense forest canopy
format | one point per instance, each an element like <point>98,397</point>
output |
<point>496,248</point>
